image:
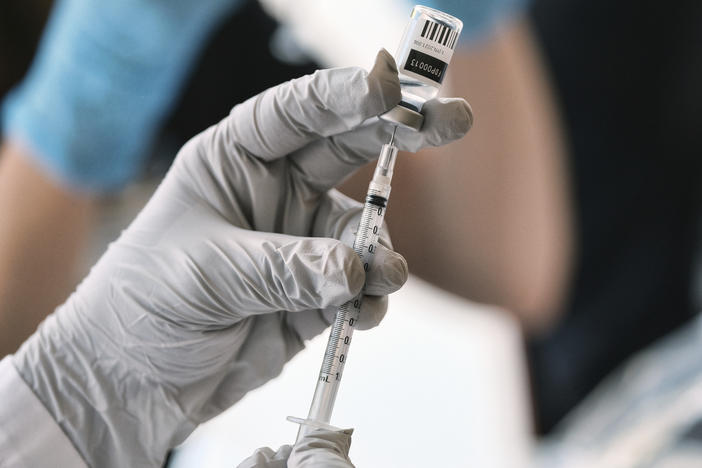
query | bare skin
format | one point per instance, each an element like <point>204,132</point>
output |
<point>43,228</point>
<point>488,217</point>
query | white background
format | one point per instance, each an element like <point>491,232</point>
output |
<point>441,382</point>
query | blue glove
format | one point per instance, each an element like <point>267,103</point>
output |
<point>103,78</point>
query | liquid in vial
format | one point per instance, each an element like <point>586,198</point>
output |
<point>425,51</point>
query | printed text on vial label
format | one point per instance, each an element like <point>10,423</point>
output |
<point>430,47</point>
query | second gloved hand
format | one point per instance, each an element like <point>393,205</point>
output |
<point>234,262</point>
<point>319,448</point>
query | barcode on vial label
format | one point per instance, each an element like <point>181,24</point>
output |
<point>439,33</point>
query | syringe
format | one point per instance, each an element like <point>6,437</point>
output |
<point>365,245</point>
<point>422,58</point>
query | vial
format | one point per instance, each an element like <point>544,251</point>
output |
<point>422,59</point>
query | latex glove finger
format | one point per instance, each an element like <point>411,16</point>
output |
<point>264,273</point>
<point>373,310</point>
<point>338,216</point>
<point>388,273</point>
<point>285,118</point>
<point>234,271</point>
<point>322,449</point>
<point>389,270</point>
<point>272,272</point>
<point>267,458</point>
<point>324,163</point>
<point>445,120</point>
<point>309,324</point>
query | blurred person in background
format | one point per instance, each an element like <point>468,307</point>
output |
<point>497,206</point>
<point>627,76</point>
<point>106,76</point>
<point>79,125</point>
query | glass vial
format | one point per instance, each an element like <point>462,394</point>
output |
<point>422,60</point>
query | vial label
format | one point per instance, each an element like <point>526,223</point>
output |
<point>431,46</point>
<point>426,65</point>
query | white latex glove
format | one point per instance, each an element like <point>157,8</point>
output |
<point>320,448</point>
<point>233,263</point>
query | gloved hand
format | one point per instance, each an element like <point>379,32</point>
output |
<point>319,448</point>
<point>233,263</point>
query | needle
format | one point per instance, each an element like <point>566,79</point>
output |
<point>392,138</point>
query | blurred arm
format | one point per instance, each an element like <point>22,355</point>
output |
<point>104,76</point>
<point>42,230</point>
<point>488,217</point>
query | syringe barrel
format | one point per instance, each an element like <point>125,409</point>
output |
<point>422,59</point>
<point>380,184</point>
<point>365,245</point>
<point>336,353</point>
